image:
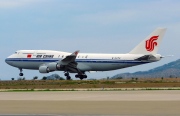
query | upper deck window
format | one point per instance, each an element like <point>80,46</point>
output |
<point>41,53</point>
<point>27,53</point>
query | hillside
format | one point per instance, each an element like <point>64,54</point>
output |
<point>171,69</point>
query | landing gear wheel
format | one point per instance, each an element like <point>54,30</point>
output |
<point>85,76</point>
<point>82,76</point>
<point>21,74</point>
<point>68,78</point>
<point>77,76</point>
<point>66,74</point>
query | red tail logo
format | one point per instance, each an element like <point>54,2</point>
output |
<point>151,43</point>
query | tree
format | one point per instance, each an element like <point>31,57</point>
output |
<point>20,78</point>
<point>170,76</point>
<point>36,77</point>
<point>61,78</point>
<point>44,78</point>
<point>119,78</point>
<point>162,78</point>
<point>136,79</point>
<point>12,79</point>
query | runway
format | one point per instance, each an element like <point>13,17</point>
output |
<point>91,103</point>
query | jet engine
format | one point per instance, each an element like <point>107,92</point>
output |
<point>50,67</point>
<point>44,69</point>
<point>53,66</point>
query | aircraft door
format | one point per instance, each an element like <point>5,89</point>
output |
<point>20,56</point>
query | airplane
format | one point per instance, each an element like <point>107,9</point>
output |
<point>48,61</point>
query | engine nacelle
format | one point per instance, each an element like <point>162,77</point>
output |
<point>50,67</point>
<point>53,66</point>
<point>44,69</point>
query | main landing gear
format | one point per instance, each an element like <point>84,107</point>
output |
<point>21,74</point>
<point>81,76</point>
<point>67,76</point>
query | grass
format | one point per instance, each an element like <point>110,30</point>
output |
<point>49,85</point>
<point>92,89</point>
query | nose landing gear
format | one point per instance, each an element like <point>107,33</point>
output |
<point>21,74</point>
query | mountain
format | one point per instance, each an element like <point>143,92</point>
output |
<point>171,69</point>
<point>54,77</point>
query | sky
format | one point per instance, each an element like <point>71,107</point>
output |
<point>91,26</point>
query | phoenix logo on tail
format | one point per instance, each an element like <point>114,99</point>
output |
<point>151,43</point>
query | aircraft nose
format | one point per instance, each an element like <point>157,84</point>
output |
<point>7,61</point>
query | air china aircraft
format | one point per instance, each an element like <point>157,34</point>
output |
<point>48,61</point>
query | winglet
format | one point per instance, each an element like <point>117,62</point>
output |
<point>70,58</point>
<point>75,53</point>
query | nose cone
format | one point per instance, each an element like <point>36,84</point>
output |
<point>10,60</point>
<point>7,60</point>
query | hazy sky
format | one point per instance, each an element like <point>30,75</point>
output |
<point>93,26</point>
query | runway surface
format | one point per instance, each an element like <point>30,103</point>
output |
<point>91,103</point>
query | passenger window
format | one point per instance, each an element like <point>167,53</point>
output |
<point>86,56</point>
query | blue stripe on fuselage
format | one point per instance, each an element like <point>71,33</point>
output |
<point>77,60</point>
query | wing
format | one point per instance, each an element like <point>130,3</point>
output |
<point>69,63</point>
<point>69,59</point>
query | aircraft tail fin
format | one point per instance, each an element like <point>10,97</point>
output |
<point>151,43</point>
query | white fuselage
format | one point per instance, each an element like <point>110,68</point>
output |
<point>48,61</point>
<point>33,59</point>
